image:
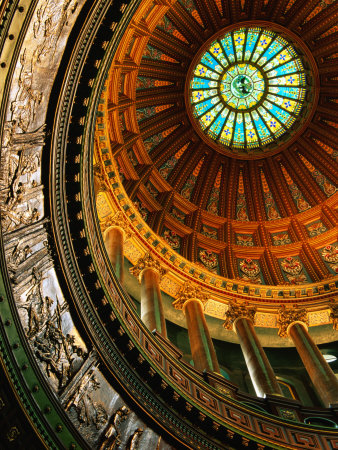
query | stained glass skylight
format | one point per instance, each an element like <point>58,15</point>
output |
<point>248,88</point>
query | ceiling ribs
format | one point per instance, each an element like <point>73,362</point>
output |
<point>280,190</point>
<point>170,46</point>
<point>298,13</point>
<point>320,23</point>
<point>275,10</point>
<point>190,29</point>
<point>210,15</point>
<point>205,181</point>
<point>302,177</point>
<point>319,158</point>
<point>162,70</point>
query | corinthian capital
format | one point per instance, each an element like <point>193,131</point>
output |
<point>289,316</point>
<point>334,315</point>
<point>147,262</point>
<point>118,220</point>
<point>235,312</point>
<point>187,292</point>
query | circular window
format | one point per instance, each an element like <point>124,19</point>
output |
<point>248,88</point>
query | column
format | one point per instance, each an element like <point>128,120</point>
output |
<point>114,236</point>
<point>191,300</point>
<point>149,273</point>
<point>293,323</point>
<point>240,318</point>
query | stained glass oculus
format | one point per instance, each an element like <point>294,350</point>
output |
<point>248,88</point>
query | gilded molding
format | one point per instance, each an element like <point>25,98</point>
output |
<point>287,317</point>
<point>118,220</point>
<point>188,292</point>
<point>147,262</point>
<point>236,312</point>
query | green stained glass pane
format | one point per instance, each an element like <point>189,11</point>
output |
<point>247,88</point>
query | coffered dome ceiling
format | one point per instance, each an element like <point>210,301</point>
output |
<point>222,125</point>
<point>111,85</point>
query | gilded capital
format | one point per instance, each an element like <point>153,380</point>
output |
<point>289,316</point>
<point>118,220</point>
<point>147,262</point>
<point>187,292</point>
<point>235,312</point>
<point>334,315</point>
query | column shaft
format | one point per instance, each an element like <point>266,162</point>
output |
<point>202,348</point>
<point>152,313</point>
<point>261,372</point>
<point>318,369</point>
<point>114,239</point>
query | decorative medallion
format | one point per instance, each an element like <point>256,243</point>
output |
<point>281,238</point>
<point>293,269</point>
<point>330,255</point>
<point>248,88</point>
<point>172,238</point>
<point>209,259</point>
<point>316,228</point>
<point>251,270</point>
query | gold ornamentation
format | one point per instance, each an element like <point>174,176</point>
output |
<point>334,315</point>
<point>236,312</point>
<point>251,270</point>
<point>288,316</point>
<point>99,175</point>
<point>288,414</point>
<point>147,262</point>
<point>187,292</point>
<point>12,434</point>
<point>293,268</point>
<point>330,255</point>
<point>118,220</point>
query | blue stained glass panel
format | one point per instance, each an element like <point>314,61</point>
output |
<point>248,88</point>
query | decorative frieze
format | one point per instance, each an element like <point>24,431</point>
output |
<point>187,292</point>
<point>289,316</point>
<point>235,312</point>
<point>147,262</point>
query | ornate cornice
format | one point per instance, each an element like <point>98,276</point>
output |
<point>289,316</point>
<point>147,262</point>
<point>188,292</point>
<point>118,220</point>
<point>236,312</point>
